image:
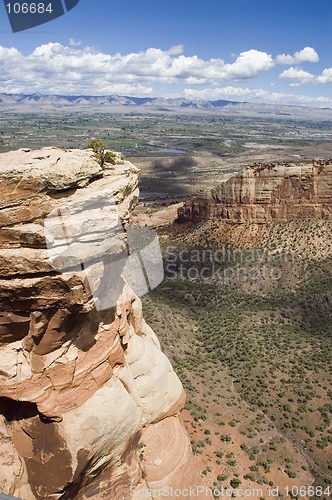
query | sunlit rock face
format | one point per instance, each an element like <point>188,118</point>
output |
<point>79,384</point>
<point>267,193</point>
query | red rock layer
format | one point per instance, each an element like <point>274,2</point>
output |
<point>267,193</point>
<point>77,384</point>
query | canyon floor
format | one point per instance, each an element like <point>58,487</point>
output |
<point>253,352</point>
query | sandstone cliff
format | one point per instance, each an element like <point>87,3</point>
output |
<point>88,402</point>
<point>267,193</point>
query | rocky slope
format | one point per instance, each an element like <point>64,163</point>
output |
<point>267,193</point>
<point>83,387</point>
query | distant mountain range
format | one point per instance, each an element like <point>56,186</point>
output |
<point>39,102</point>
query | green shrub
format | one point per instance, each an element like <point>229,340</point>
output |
<point>235,482</point>
<point>101,154</point>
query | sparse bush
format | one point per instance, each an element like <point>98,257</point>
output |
<point>102,154</point>
<point>235,482</point>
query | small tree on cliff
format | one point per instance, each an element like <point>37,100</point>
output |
<point>102,155</point>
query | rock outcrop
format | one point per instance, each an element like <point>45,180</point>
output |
<point>267,193</point>
<point>80,385</point>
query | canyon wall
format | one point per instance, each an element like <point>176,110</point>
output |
<point>267,193</point>
<point>88,402</point>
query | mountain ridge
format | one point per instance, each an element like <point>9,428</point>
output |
<point>107,102</point>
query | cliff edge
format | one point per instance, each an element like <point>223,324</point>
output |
<point>88,402</point>
<point>267,192</point>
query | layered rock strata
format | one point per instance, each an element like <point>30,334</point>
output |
<point>267,192</point>
<point>79,384</point>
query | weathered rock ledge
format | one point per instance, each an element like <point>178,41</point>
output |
<point>267,193</point>
<point>78,385</point>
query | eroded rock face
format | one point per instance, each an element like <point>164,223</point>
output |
<point>77,384</point>
<point>267,193</point>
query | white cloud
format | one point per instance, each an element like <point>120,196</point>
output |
<point>326,76</point>
<point>255,95</point>
<point>297,75</point>
<point>300,77</point>
<point>54,68</point>
<point>8,56</point>
<point>74,43</point>
<point>249,64</point>
<point>308,54</point>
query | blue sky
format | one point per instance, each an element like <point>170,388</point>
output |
<point>250,50</point>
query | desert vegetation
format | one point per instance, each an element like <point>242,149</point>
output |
<point>255,358</point>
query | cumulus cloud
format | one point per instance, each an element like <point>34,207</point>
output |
<point>326,76</point>
<point>249,64</point>
<point>54,68</point>
<point>255,95</point>
<point>74,70</point>
<point>298,76</point>
<point>308,54</point>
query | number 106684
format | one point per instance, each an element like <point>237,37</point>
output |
<point>29,8</point>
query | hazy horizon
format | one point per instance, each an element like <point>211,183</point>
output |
<point>275,52</point>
